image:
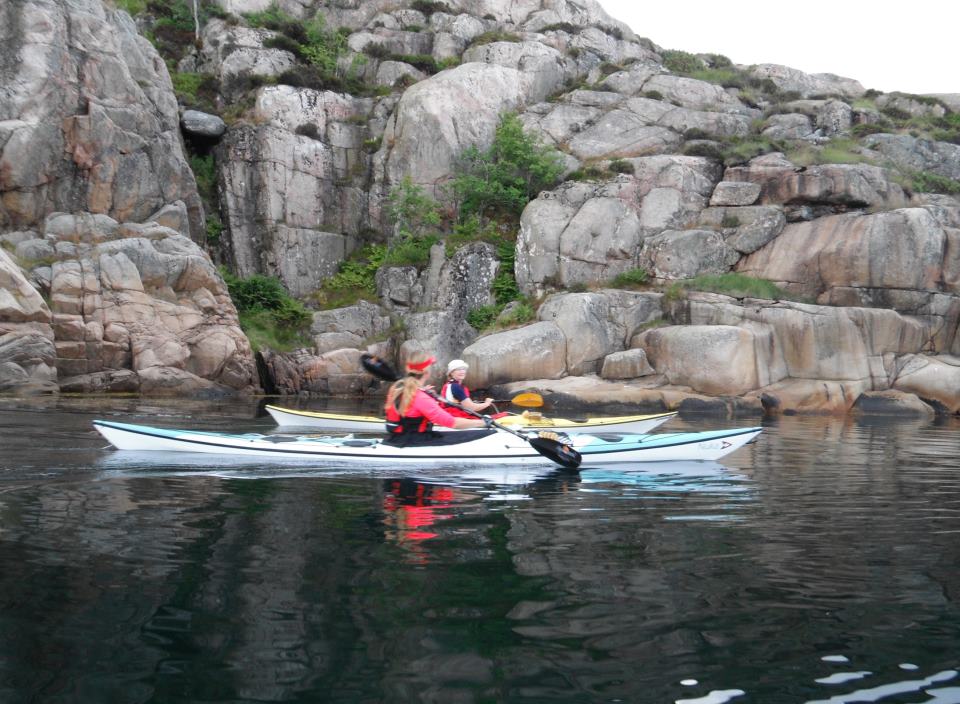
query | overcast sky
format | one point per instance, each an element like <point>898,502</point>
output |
<point>909,47</point>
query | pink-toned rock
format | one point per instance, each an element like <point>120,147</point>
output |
<point>900,249</point>
<point>532,352</point>
<point>715,359</point>
<point>935,380</point>
<point>158,351</point>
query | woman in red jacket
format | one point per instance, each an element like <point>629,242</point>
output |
<point>412,411</point>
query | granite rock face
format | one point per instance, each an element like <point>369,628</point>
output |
<point>104,137</point>
<point>104,284</point>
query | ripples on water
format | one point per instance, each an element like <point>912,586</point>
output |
<point>817,565</point>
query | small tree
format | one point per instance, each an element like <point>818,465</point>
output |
<point>507,175</point>
<point>414,213</point>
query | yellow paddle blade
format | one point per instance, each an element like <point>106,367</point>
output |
<point>527,400</point>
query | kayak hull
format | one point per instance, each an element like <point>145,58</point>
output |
<point>496,448</point>
<point>288,417</point>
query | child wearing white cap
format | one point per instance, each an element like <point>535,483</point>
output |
<point>455,391</point>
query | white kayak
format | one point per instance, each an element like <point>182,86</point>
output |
<point>288,417</point>
<point>493,448</point>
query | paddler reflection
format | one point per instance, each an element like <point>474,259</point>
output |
<point>411,511</point>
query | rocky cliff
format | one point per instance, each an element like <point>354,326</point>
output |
<point>675,169</point>
<point>103,286</point>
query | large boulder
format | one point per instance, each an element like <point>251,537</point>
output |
<point>860,259</point>
<point>145,298</point>
<point>542,67</point>
<point>791,80</point>
<point>715,359</point>
<point>582,233</point>
<point>535,351</point>
<point>19,301</point>
<point>934,379</point>
<point>844,185</point>
<point>818,342</point>
<point>584,319</point>
<point>437,119</point>
<point>915,154</point>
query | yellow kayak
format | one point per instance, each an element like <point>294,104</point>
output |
<point>343,422</point>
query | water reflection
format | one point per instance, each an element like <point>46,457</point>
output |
<point>818,565</point>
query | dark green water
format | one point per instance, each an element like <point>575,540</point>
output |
<point>818,565</point>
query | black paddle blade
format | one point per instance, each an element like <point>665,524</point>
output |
<point>548,445</point>
<point>378,367</point>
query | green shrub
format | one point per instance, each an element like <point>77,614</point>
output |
<point>619,166</point>
<point>706,149</point>
<point>838,150</point>
<point>268,314</point>
<point>188,87</point>
<point>448,62</point>
<point>496,35</point>
<point>271,18</point>
<point>522,313</point>
<point>355,280</point>
<point>719,61</point>
<point>481,318</point>
<point>506,176</point>
<point>733,284</point>
<point>896,114</point>
<point>696,133</point>
<point>264,332</point>
<point>323,47</point>
<point>864,129</point>
<point>726,77</point>
<point>171,26</point>
<point>132,7</point>
<point>561,27</point>
<point>681,62</point>
<point>423,62</point>
<point>929,182</point>
<point>412,210</point>
<point>282,41</point>
<point>214,228</point>
<point>428,7</point>
<point>205,172</point>
<point>410,251</point>
<point>740,150</point>
<point>377,50</point>
<point>634,278</point>
<point>587,173</point>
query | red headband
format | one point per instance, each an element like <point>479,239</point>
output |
<point>420,366</point>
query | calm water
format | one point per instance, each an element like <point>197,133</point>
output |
<point>818,565</point>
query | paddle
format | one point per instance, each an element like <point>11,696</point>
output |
<point>547,444</point>
<point>527,400</point>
